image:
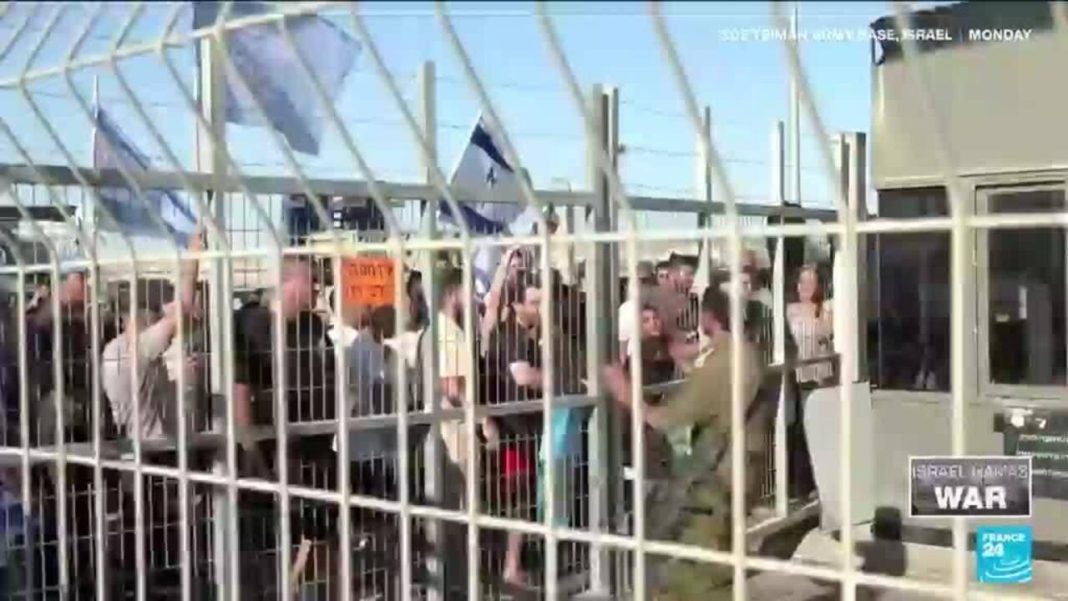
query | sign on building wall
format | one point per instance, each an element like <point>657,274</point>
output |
<point>367,281</point>
<point>970,486</point>
<point>1041,435</point>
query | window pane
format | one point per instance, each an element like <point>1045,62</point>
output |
<point>909,333</point>
<point>1027,286</point>
<point>913,202</point>
<point>1031,201</point>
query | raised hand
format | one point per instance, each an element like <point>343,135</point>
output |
<point>617,383</point>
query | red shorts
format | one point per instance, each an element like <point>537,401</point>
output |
<point>510,485</point>
<point>516,462</point>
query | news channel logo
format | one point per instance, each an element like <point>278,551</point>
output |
<point>1003,554</point>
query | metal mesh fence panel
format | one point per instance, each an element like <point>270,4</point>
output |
<point>321,391</point>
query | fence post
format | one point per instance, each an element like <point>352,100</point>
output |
<point>612,144</point>
<point>794,157</point>
<point>703,191</point>
<point>608,305</point>
<point>778,190</point>
<point>212,88</point>
<point>857,199</point>
<point>601,476</point>
<point>845,262</point>
<point>432,450</point>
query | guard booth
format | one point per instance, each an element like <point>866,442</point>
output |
<point>998,90</point>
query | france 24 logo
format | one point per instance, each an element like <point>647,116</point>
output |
<point>1003,554</point>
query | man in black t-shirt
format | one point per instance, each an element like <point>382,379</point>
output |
<point>309,382</point>
<point>309,364</point>
<point>513,374</point>
<point>308,395</point>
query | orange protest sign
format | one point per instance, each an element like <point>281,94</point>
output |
<point>367,281</point>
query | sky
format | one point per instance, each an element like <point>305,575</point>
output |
<point>745,82</point>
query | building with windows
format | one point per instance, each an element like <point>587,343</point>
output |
<point>999,102</point>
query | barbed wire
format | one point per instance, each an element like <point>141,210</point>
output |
<point>510,85</point>
<point>669,153</point>
<point>675,192</point>
<point>160,104</point>
<point>41,155</point>
<point>406,78</point>
<point>653,110</point>
<point>449,80</point>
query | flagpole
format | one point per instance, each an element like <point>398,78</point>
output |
<point>92,149</point>
<point>198,156</point>
<point>211,99</point>
<point>96,105</point>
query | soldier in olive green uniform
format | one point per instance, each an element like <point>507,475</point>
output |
<point>693,505</point>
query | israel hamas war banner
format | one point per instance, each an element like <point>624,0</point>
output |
<point>970,486</point>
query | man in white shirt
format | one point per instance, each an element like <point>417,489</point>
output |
<point>151,334</point>
<point>454,368</point>
<point>454,353</point>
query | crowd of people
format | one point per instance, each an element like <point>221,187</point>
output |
<point>502,360</point>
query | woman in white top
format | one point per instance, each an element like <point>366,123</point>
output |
<point>812,328</point>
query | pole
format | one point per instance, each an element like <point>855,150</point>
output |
<point>778,179</point>
<point>603,467</point>
<point>857,188</point>
<point>795,119</point>
<point>92,218</point>
<point>96,106</point>
<point>211,95</point>
<point>704,193</point>
<point>433,450</point>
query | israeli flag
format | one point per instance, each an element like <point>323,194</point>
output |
<point>488,191</point>
<point>275,76</point>
<point>112,149</point>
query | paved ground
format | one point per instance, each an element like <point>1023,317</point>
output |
<point>781,587</point>
<point>920,562</point>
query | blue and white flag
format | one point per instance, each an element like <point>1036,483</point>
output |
<point>490,198</point>
<point>275,76</point>
<point>112,150</point>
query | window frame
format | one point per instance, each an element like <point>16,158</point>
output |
<point>874,361</point>
<point>1031,394</point>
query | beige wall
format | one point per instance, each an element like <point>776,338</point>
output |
<point>1003,106</point>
